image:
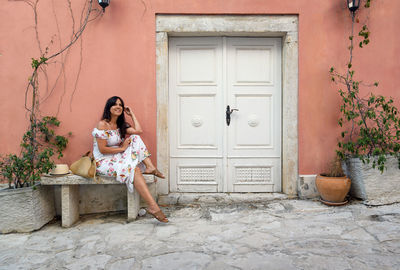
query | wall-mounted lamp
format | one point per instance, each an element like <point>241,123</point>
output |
<point>105,3</point>
<point>353,5</point>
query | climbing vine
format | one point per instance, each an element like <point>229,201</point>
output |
<point>40,142</point>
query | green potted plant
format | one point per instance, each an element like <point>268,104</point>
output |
<point>26,205</point>
<point>370,140</point>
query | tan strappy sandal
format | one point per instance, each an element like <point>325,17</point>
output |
<point>159,215</point>
<point>156,173</point>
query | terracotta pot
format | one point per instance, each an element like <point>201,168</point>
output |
<point>333,190</point>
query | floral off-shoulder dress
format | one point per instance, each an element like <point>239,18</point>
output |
<point>121,165</point>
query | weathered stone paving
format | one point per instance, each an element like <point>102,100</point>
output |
<point>281,234</point>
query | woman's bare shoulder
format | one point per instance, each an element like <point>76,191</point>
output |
<point>102,125</point>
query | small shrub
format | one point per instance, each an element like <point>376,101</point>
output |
<point>38,146</point>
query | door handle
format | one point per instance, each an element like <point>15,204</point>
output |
<point>228,113</point>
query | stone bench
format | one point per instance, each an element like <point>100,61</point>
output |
<point>70,194</point>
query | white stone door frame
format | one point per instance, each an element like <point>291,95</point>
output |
<point>285,26</point>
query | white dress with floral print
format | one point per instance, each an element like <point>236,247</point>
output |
<point>121,165</point>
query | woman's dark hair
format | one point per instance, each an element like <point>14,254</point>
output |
<point>121,124</point>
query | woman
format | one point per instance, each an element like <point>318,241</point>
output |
<point>124,158</point>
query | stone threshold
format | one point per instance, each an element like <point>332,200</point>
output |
<point>220,198</point>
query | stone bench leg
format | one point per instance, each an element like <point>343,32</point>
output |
<point>133,205</point>
<point>69,205</point>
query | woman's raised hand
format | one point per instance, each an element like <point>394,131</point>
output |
<point>135,128</point>
<point>128,111</point>
<point>126,143</point>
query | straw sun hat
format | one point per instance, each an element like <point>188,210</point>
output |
<point>60,169</point>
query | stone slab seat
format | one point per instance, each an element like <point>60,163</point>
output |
<point>70,194</point>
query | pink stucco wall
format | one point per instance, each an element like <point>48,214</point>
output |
<point>117,56</point>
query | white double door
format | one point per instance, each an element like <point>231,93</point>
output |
<point>206,75</point>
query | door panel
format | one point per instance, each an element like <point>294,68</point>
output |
<point>196,174</point>
<point>206,75</point>
<point>253,123</point>
<point>197,125</point>
<point>254,175</point>
<point>252,64</point>
<point>197,65</point>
